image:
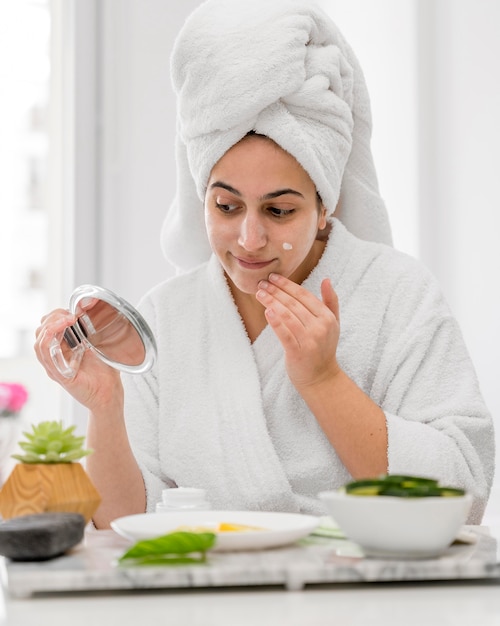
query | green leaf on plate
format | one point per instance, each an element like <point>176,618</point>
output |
<point>170,549</point>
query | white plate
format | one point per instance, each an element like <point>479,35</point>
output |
<point>279,529</point>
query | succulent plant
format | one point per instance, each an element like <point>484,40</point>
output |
<point>50,442</point>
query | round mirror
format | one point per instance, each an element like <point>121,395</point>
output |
<point>109,326</point>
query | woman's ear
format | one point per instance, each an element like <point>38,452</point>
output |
<point>322,218</point>
<point>324,226</point>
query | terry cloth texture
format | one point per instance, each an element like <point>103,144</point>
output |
<point>220,413</point>
<point>280,68</point>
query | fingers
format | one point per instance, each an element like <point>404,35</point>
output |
<point>307,327</point>
<point>293,298</point>
<point>297,316</point>
<point>50,331</point>
<point>330,297</point>
<point>292,295</point>
<point>81,372</point>
<point>284,313</point>
<point>59,317</point>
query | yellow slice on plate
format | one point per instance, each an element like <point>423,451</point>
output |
<point>225,527</point>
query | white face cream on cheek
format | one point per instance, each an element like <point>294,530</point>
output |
<point>287,246</point>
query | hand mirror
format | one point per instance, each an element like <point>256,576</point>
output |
<point>109,326</point>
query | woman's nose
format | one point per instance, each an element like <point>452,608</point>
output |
<point>252,233</point>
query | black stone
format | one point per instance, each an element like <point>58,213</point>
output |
<point>41,536</point>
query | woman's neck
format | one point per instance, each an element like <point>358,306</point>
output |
<point>251,312</point>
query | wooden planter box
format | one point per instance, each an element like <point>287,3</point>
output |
<point>43,488</point>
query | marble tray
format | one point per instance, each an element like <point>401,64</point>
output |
<point>91,566</point>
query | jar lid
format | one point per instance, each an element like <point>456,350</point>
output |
<point>183,494</point>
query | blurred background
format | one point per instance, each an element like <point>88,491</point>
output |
<point>87,171</point>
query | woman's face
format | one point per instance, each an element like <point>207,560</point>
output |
<point>262,214</point>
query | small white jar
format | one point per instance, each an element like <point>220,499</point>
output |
<point>183,499</point>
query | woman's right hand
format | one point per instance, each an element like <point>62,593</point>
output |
<point>95,384</point>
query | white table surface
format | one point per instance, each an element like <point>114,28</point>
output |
<point>457,603</point>
<point>376,604</point>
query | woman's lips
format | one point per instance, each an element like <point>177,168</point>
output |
<point>250,264</point>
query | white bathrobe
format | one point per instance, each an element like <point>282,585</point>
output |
<point>220,413</point>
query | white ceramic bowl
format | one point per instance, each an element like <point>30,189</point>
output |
<point>388,526</point>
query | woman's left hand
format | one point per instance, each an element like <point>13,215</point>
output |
<point>308,328</point>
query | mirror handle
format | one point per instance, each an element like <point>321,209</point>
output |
<point>68,370</point>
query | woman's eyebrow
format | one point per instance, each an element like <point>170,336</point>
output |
<point>267,196</point>
<point>281,192</point>
<point>222,185</point>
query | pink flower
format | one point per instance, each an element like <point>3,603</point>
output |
<point>13,397</point>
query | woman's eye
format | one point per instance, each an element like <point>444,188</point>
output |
<point>226,208</point>
<point>276,212</point>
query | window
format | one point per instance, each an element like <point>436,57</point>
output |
<point>24,149</point>
<point>32,273</point>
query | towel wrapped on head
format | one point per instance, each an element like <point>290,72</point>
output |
<point>281,69</point>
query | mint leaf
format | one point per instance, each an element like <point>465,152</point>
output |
<point>167,549</point>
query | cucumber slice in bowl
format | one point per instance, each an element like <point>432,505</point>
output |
<point>401,487</point>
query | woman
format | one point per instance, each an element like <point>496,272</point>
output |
<point>297,349</point>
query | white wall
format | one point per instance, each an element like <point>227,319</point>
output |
<point>375,31</point>
<point>460,210</point>
<point>137,170</point>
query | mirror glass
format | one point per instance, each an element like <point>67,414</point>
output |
<point>109,326</point>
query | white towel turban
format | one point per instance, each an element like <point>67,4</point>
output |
<point>280,68</point>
